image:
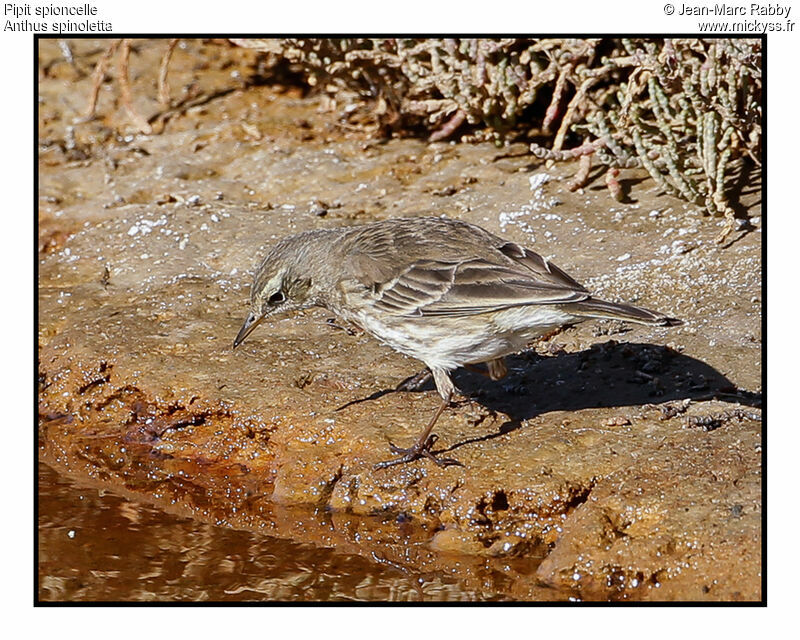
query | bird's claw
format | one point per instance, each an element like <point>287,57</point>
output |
<point>415,382</point>
<point>415,452</point>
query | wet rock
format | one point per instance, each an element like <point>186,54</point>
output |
<point>636,537</point>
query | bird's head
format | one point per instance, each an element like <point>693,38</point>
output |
<point>284,282</point>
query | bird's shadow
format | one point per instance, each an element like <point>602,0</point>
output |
<point>609,374</point>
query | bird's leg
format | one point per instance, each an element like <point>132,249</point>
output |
<point>422,447</point>
<point>495,369</point>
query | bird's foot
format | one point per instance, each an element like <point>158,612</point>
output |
<point>415,452</point>
<point>352,330</point>
<point>495,369</point>
<point>415,382</point>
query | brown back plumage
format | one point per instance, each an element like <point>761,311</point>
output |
<point>442,267</point>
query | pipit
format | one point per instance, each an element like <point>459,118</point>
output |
<point>443,291</point>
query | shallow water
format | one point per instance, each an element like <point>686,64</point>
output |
<point>96,546</point>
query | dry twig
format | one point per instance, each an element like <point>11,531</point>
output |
<point>125,88</point>
<point>97,78</point>
<point>163,87</point>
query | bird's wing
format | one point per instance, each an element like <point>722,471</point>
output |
<point>476,285</point>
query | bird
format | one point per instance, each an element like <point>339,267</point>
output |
<point>441,290</point>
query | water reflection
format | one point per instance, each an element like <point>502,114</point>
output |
<point>96,546</point>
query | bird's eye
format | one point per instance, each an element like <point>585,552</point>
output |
<point>277,297</point>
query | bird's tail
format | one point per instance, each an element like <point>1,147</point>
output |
<point>593,308</point>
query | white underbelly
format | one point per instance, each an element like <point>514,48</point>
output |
<point>450,342</point>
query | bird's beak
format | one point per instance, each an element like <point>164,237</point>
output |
<point>249,324</point>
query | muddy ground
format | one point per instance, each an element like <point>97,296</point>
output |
<point>614,462</point>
